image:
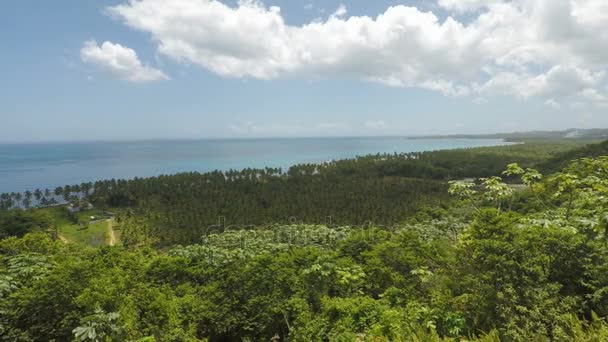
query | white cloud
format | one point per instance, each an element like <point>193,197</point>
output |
<point>341,11</point>
<point>463,6</point>
<point>375,124</point>
<point>560,81</point>
<point>332,126</point>
<point>120,61</point>
<point>283,129</point>
<point>553,104</point>
<point>595,97</point>
<point>522,48</point>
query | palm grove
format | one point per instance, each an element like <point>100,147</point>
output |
<point>375,248</point>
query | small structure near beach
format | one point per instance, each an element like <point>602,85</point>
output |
<point>78,208</point>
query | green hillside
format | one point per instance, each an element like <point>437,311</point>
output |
<point>562,159</point>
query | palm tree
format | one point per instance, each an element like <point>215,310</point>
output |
<point>17,196</point>
<point>7,201</point>
<point>38,194</point>
<point>27,202</point>
<point>58,191</point>
<point>66,192</point>
<point>86,188</point>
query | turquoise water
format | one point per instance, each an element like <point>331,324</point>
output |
<point>30,166</point>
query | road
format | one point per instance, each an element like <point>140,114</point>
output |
<point>111,235</point>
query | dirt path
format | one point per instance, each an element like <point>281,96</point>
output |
<point>111,235</point>
<point>63,239</point>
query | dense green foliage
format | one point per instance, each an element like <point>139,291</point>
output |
<point>179,208</point>
<point>523,262</point>
<point>18,223</point>
<point>378,189</point>
<point>561,160</point>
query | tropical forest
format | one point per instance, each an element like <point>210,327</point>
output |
<point>505,243</point>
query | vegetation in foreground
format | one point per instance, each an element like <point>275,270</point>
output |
<point>494,263</point>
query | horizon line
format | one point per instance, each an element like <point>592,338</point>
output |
<point>169,139</point>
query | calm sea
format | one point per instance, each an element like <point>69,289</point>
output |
<point>30,166</point>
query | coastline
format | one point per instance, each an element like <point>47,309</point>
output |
<point>32,166</point>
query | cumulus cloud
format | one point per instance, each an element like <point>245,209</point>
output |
<point>560,80</point>
<point>463,6</point>
<point>523,48</point>
<point>341,11</point>
<point>120,61</point>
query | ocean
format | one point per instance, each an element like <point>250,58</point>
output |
<point>48,165</point>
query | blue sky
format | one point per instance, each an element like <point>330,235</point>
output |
<point>168,73</point>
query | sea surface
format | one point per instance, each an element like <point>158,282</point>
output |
<point>37,165</point>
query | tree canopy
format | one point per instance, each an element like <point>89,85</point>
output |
<point>512,256</point>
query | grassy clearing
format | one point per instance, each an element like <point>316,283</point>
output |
<point>76,229</point>
<point>95,234</point>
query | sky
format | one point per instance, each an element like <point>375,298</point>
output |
<point>156,69</point>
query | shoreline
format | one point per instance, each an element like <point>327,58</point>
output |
<point>144,160</point>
